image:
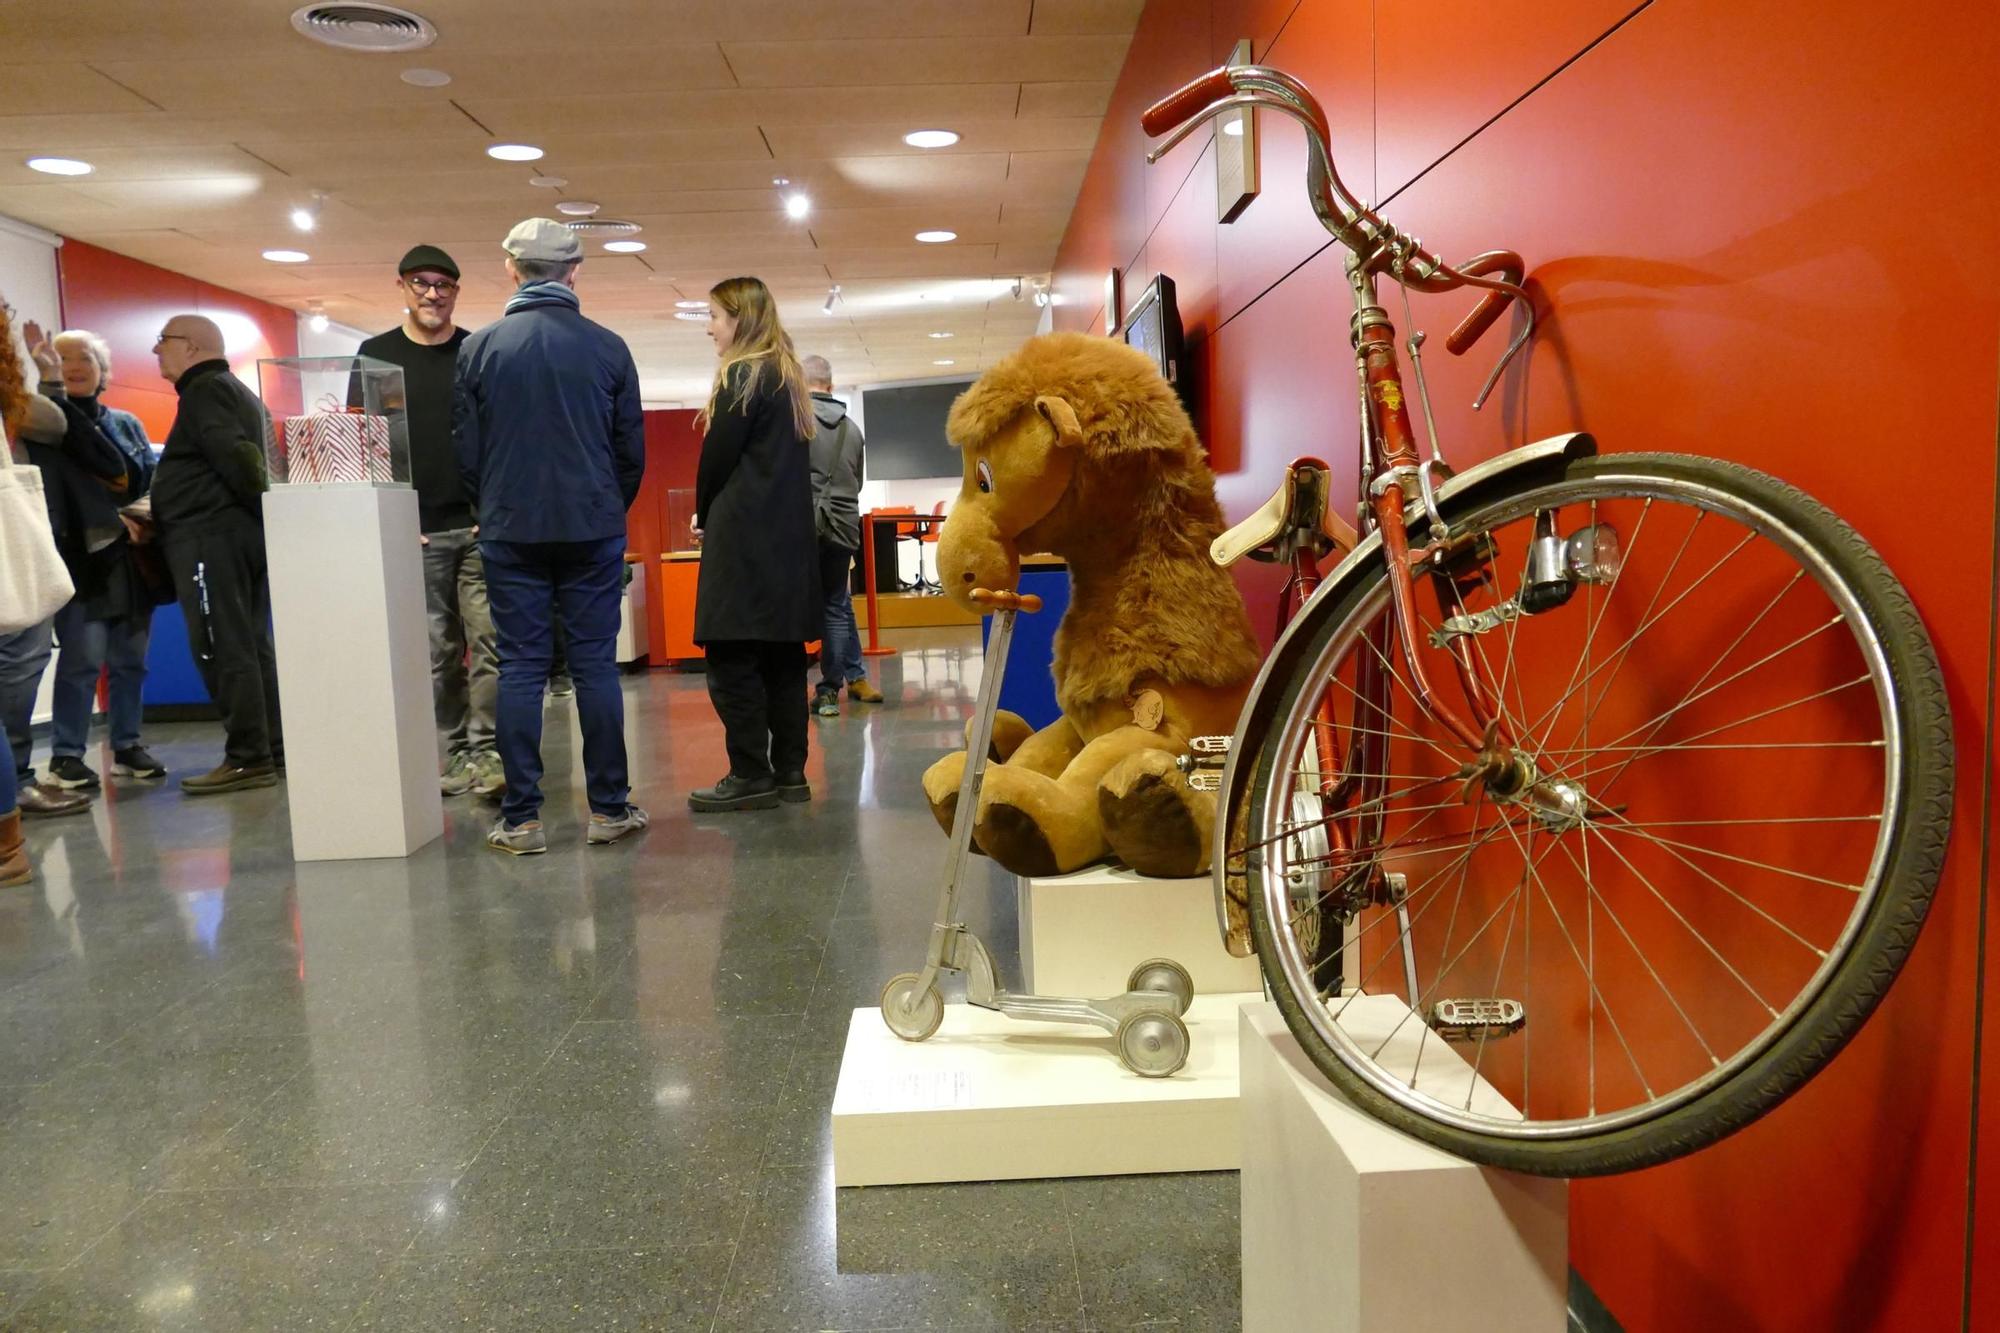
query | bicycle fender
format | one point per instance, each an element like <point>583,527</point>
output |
<point>1497,472</point>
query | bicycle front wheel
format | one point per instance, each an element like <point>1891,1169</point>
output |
<point>1696,844</point>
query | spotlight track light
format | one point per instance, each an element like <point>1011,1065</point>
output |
<point>832,299</point>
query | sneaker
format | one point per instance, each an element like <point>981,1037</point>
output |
<point>863,691</point>
<point>734,793</point>
<point>458,775</point>
<point>826,703</point>
<point>489,776</point>
<point>39,800</point>
<point>72,774</point>
<point>231,777</point>
<point>561,687</point>
<point>525,839</point>
<point>135,761</point>
<point>793,789</point>
<point>607,828</point>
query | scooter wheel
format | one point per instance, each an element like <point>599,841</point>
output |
<point>1153,1045</point>
<point>1167,977</point>
<point>911,1014</point>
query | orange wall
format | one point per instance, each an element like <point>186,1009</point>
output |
<point>126,301</point>
<point>1755,232</point>
<point>673,447</point>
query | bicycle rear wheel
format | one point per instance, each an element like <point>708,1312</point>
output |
<point>1692,856</point>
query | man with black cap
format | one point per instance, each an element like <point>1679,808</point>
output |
<point>551,447</point>
<point>465,670</point>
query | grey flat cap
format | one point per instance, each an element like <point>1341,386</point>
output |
<point>544,240</point>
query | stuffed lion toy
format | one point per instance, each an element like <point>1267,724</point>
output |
<point>1075,445</point>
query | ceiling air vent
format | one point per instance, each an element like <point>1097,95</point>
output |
<point>364,27</point>
<point>602,227</point>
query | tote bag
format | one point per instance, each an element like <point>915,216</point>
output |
<point>34,584</point>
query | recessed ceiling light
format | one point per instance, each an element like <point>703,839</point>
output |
<point>624,247</point>
<point>548,182</point>
<point>936,237</point>
<point>941,335</point>
<point>577,208</point>
<point>797,206</point>
<point>60,166</point>
<point>287,256</point>
<point>691,305</point>
<point>946,362</point>
<point>692,316</point>
<point>931,138</point>
<point>514,152</point>
<point>426,78</point>
<point>303,219</point>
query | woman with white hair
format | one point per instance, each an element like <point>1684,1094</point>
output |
<point>110,620</point>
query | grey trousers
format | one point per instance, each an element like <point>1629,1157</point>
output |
<point>465,666</point>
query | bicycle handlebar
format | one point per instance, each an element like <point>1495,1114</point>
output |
<point>1353,223</point>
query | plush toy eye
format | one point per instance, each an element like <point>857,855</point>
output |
<point>985,477</point>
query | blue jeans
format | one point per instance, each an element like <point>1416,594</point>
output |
<point>10,786</point>
<point>24,655</point>
<point>87,647</point>
<point>527,583</point>
<point>840,644</point>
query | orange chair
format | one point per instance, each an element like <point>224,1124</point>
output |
<point>928,536</point>
<point>905,532</point>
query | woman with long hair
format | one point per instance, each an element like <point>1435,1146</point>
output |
<point>757,600</point>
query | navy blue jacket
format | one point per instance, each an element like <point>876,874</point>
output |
<point>546,423</point>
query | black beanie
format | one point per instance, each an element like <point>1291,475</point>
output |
<point>427,256</point>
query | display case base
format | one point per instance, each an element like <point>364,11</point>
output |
<point>1350,1226</point>
<point>1082,934</point>
<point>992,1098</point>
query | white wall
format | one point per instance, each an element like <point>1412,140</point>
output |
<point>28,282</point>
<point>338,340</point>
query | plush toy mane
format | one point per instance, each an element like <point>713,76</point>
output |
<point>1147,603</point>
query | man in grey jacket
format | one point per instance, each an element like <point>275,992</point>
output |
<point>836,476</point>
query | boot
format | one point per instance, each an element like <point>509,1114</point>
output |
<point>14,868</point>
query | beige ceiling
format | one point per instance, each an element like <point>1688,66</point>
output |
<point>208,123</point>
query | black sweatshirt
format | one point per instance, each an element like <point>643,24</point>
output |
<point>427,379</point>
<point>211,473</point>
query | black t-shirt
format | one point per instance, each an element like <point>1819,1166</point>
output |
<point>427,377</point>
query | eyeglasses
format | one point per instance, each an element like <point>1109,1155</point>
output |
<point>169,337</point>
<point>439,287</point>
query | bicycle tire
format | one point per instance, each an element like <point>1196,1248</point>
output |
<point>1853,981</point>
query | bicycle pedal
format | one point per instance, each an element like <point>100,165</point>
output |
<point>1209,744</point>
<point>1472,1020</point>
<point>1205,779</point>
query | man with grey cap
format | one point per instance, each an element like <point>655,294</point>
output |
<point>551,448</point>
<point>465,666</point>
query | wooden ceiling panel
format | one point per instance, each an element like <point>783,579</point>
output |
<point>488,25</point>
<point>1053,177</point>
<point>925,60</point>
<point>916,104</point>
<point>74,136</point>
<point>1056,18</point>
<point>931,261</point>
<point>1066,99</point>
<point>983,136</point>
<point>222,162</point>
<point>76,88</point>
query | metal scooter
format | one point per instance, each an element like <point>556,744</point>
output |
<point>1145,1021</point>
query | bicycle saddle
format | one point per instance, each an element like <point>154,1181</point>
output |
<point>1298,514</point>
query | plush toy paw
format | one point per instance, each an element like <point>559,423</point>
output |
<point>1153,819</point>
<point>1034,825</point>
<point>941,787</point>
<point>1009,730</point>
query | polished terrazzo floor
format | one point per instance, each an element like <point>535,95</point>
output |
<point>582,1091</point>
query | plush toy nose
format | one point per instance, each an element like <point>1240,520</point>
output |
<point>973,554</point>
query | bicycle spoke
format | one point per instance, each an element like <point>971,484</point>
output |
<point>1739,898</point>
<point>1727,726</point>
<point>1729,856</point>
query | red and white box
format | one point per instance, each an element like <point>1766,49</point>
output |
<point>337,444</point>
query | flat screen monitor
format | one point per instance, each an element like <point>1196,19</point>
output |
<point>905,430</point>
<point>1153,325</point>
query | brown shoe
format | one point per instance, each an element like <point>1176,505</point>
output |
<point>14,868</point>
<point>865,692</point>
<point>231,777</point>
<point>40,801</point>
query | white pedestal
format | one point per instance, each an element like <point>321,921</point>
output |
<point>1352,1227</point>
<point>354,679</point>
<point>632,636</point>
<point>1082,934</point>
<point>990,1098</point>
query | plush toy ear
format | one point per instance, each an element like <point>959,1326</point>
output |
<point>1062,419</point>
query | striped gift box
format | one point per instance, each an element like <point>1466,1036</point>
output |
<point>337,446</point>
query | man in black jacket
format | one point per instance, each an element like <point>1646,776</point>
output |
<point>465,667</point>
<point>208,497</point>
<point>551,446</point>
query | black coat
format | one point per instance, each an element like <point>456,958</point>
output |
<point>754,504</point>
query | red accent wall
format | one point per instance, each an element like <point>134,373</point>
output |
<point>673,448</point>
<point>1753,231</point>
<point>127,300</point>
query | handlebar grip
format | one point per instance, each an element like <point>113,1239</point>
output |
<point>1188,101</point>
<point>1503,264</point>
<point>1007,601</point>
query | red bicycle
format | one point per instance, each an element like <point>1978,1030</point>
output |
<point>1633,771</point>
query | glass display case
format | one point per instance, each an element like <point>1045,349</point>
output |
<point>334,419</point>
<point>680,519</point>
